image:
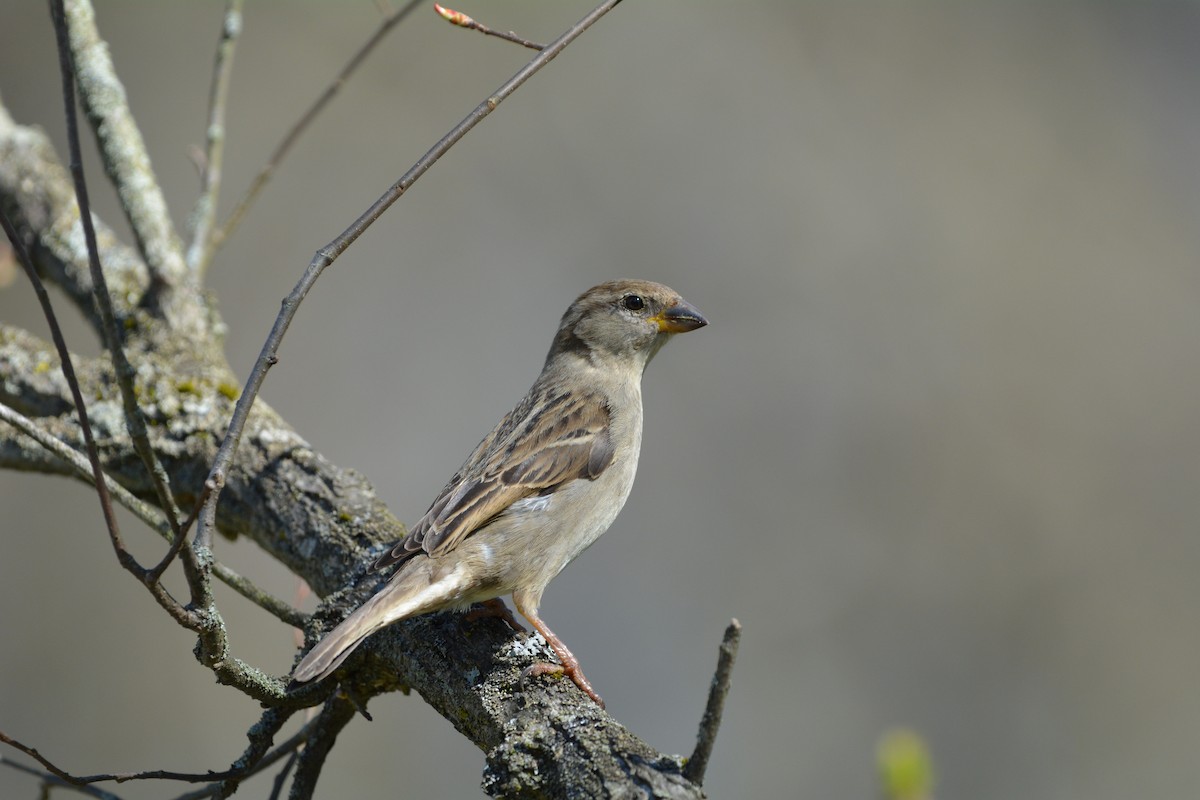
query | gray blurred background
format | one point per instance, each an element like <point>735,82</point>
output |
<point>937,450</point>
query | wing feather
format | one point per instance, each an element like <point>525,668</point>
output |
<point>550,438</point>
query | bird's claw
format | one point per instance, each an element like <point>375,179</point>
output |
<point>576,675</point>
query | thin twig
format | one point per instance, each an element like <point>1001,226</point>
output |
<point>50,779</point>
<point>335,715</point>
<point>109,114</point>
<point>717,692</point>
<point>281,778</point>
<point>264,600</point>
<point>68,83</point>
<point>204,214</point>
<point>134,421</point>
<point>124,151</point>
<point>125,558</point>
<point>251,766</point>
<point>151,516</point>
<point>470,23</point>
<point>326,255</point>
<point>33,753</point>
<point>178,542</point>
<point>253,758</point>
<point>234,219</point>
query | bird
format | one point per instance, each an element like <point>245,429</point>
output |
<point>539,489</point>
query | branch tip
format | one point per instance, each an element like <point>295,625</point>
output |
<point>706,738</point>
<point>462,20</point>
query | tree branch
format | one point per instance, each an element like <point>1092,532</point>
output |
<point>462,20</point>
<point>150,516</point>
<point>37,194</point>
<point>124,557</point>
<point>205,212</point>
<point>135,423</point>
<point>334,717</point>
<point>697,765</point>
<point>257,757</point>
<point>125,158</point>
<point>50,779</point>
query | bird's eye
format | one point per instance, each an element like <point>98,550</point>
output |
<point>633,302</point>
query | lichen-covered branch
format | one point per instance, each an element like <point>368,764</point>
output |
<point>125,158</point>
<point>37,195</point>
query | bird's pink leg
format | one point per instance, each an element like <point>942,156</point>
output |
<point>570,664</point>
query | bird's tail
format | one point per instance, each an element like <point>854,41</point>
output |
<point>409,594</point>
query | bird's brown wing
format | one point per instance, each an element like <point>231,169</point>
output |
<point>550,438</point>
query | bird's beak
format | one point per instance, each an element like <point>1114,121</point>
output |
<point>679,318</point>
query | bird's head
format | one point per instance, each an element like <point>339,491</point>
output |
<point>625,319</point>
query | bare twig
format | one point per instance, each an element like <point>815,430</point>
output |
<point>265,600</point>
<point>203,617</point>
<point>152,517</point>
<point>281,779</point>
<point>335,715</point>
<point>204,215</point>
<point>124,151</point>
<point>125,558</point>
<point>697,765</point>
<point>470,23</point>
<point>234,219</point>
<point>33,753</point>
<point>326,255</point>
<point>50,779</point>
<point>254,760</point>
<point>178,541</point>
<point>134,421</point>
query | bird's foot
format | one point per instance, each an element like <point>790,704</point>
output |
<point>495,608</point>
<point>573,672</point>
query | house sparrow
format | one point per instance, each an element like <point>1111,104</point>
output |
<point>540,488</point>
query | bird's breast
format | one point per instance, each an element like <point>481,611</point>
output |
<point>546,532</point>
